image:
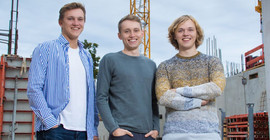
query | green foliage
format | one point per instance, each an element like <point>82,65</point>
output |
<point>92,48</point>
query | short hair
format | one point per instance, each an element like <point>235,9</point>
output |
<point>129,17</point>
<point>172,28</point>
<point>71,6</point>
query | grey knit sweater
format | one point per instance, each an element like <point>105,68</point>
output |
<point>125,93</point>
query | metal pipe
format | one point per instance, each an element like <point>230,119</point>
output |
<point>10,28</point>
<point>242,62</point>
<point>220,55</point>
<point>16,29</point>
<point>223,115</point>
<point>14,109</point>
<point>250,121</point>
<point>206,47</point>
<point>4,30</point>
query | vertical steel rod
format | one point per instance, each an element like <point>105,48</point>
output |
<point>14,109</point>
<point>223,115</point>
<point>250,121</point>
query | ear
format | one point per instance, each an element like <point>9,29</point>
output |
<point>60,22</point>
<point>142,33</point>
<point>119,36</point>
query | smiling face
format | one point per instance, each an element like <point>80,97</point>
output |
<point>72,24</point>
<point>131,35</point>
<point>186,35</point>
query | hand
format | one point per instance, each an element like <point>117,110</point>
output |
<point>173,90</point>
<point>95,138</point>
<point>152,133</point>
<point>55,126</point>
<point>121,132</point>
<point>204,102</point>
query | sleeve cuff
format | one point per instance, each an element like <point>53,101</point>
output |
<point>49,122</point>
<point>111,131</point>
<point>95,133</point>
<point>156,128</point>
<point>197,103</point>
<point>179,90</point>
<point>184,91</point>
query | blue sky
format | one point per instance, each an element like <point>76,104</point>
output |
<point>235,24</point>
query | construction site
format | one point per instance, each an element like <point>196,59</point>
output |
<point>243,107</point>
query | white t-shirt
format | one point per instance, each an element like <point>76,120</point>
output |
<point>73,117</point>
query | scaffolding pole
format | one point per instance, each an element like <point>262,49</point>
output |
<point>11,22</point>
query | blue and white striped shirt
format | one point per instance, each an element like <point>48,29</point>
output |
<point>48,85</point>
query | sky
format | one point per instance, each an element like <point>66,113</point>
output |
<point>234,24</point>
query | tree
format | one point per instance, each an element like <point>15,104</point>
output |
<point>92,48</point>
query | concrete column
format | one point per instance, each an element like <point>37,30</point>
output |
<point>266,41</point>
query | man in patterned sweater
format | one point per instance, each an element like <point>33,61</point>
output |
<point>187,85</point>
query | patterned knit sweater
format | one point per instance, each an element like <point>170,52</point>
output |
<point>196,78</point>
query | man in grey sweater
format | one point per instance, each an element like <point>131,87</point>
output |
<point>125,88</point>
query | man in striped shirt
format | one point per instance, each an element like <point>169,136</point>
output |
<point>61,85</point>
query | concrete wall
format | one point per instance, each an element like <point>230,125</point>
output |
<point>236,94</point>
